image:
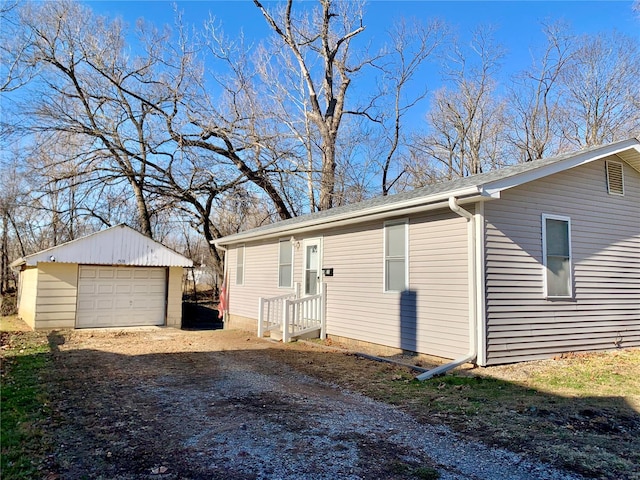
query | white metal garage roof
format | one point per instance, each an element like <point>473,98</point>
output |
<point>119,245</point>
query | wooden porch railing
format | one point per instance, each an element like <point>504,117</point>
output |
<point>271,311</point>
<point>304,315</point>
<point>292,314</point>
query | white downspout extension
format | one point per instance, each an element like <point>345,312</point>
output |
<point>473,312</point>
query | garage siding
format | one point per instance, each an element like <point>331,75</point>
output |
<point>174,297</point>
<point>27,296</point>
<point>56,295</point>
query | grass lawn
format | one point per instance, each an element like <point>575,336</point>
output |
<point>25,411</point>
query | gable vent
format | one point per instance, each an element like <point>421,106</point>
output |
<point>615,178</point>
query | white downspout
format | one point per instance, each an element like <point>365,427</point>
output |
<point>473,311</point>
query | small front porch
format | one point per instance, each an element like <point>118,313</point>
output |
<point>291,316</point>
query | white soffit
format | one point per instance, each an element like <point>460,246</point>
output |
<point>119,245</point>
<point>632,157</point>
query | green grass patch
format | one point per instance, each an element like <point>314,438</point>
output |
<point>25,358</point>
<point>598,374</point>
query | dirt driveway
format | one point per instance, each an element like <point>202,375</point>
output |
<point>171,404</point>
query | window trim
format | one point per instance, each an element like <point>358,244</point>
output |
<point>280,264</point>
<point>562,218</point>
<point>240,281</point>
<point>392,223</point>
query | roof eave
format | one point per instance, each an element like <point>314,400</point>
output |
<point>353,217</point>
<point>17,263</point>
<point>632,145</point>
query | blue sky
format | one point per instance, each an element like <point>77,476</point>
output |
<point>516,23</point>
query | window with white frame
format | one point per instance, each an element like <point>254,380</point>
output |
<point>396,268</point>
<point>556,250</point>
<point>285,264</point>
<point>240,265</point>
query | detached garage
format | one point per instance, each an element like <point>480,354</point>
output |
<point>113,278</point>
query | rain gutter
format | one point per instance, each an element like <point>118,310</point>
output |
<point>352,217</point>
<point>473,294</point>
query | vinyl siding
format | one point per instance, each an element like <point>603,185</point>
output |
<point>260,277</point>
<point>174,297</point>
<point>28,291</point>
<point>56,295</point>
<point>432,317</point>
<point>605,233</point>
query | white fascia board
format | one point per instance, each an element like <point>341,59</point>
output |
<point>17,263</point>
<point>493,189</point>
<point>353,217</point>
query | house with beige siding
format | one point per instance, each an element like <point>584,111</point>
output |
<point>114,278</point>
<point>521,263</point>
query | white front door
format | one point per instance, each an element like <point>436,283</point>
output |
<point>312,262</point>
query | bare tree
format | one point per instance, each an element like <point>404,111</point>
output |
<point>411,45</point>
<point>465,118</point>
<point>600,88</point>
<point>87,92</point>
<point>12,204</point>
<point>534,98</point>
<point>13,72</point>
<point>323,37</point>
<point>146,121</point>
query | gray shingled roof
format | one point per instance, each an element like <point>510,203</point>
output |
<point>430,193</point>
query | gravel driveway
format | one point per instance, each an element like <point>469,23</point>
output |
<point>171,404</point>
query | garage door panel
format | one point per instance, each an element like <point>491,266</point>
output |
<point>89,272</point>
<point>86,288</point>
<point>104,303</point>
<point>157,274</point>
<point>124,289</point>
<point>105,289</point>
<point>86,304</point>
<point>143,288</point>
<point>121,296</point>
<point>106,273</point>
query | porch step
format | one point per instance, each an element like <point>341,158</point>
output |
<point>277,335</point>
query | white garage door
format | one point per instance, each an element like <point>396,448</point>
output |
<point>120,296</point>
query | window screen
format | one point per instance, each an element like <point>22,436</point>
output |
<point>285,264</point>
<point>395,257</point>
<point>240,265</point>
<point>557,240</point>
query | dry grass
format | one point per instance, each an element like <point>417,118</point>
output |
<point>580,412</point>
<point>12,323</point>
